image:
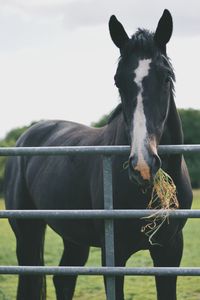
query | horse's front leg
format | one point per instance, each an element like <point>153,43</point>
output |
<point>73,255</point>
<point>167,256</point>
<point>120,261</point>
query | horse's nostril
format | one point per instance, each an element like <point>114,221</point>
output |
<point>132,162</point>
<point>156,164</point>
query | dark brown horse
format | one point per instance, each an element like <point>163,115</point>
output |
<point>146,117</point>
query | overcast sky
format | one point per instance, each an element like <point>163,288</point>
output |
<point>57,60</point>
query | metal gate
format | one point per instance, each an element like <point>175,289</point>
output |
<point>108,214</point>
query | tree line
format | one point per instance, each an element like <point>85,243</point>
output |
<point>191,127</point>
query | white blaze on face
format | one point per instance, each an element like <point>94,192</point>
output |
<point>139,120</point>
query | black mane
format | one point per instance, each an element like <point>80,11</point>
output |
<point>114,113</point>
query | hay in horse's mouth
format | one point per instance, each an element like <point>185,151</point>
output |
<point>163,197</point>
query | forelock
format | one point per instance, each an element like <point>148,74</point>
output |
<point>141,43</point>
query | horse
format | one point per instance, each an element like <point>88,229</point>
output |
<point>145,118</point>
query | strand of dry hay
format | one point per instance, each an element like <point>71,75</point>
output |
<point>163,197</point>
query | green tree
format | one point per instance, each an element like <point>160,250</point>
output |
<point>191,127</point>
<point>102,121</point>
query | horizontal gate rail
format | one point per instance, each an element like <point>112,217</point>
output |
<point>110,271</point>
<point>85,150</point>
<point>98,214</point>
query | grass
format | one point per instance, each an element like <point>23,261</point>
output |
<point>89,287</point>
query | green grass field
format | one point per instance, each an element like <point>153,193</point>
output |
<point>91,288</point>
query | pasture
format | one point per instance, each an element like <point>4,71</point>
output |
<point>91,287</point>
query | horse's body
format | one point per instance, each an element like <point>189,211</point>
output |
<point>73,182</point>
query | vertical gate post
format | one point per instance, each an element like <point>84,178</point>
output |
<point>109,225</point>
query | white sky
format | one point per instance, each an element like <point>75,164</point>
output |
<point>57,59</point>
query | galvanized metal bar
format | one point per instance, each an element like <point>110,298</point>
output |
<point>178,149</point>
<point>63,150</point>
<point>109,226</point>
<point>92,150</point>
<point>109,271</point>
<point>98,214</point>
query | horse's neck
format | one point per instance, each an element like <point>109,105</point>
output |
<point>173,133</point>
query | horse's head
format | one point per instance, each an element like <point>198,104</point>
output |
<point>144,78</point>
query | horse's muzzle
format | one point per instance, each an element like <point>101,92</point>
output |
<point>143,170</point>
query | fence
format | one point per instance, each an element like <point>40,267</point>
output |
<point>109,214</point>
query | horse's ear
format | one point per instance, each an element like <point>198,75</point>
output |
<point>117,32</point>
<point>164,30</point>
